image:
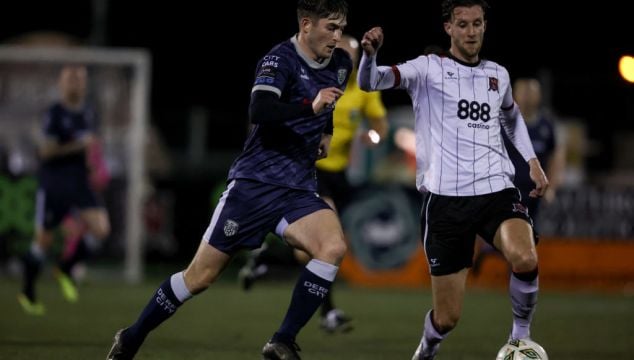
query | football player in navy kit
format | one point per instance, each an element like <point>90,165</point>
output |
<point>64,185</point>
<point>461,103</point>
<point>271,186</point>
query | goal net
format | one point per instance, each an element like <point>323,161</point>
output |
<point>118,89</point>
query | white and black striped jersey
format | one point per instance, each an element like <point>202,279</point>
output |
<point>459,111</point>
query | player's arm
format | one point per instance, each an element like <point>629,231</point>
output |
<point>266,107</point>
<point>515,127</point>
<point>51,147</point>
<point>57,142</point>
<point>370,76</point>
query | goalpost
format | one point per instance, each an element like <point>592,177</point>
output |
<point>119,87</point>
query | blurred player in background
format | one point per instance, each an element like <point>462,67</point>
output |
<point>333,186</point>
<point>64,184</point>
<point>271,186</point>
<point>541,129</point>
<point>527,93</point>
<point>461,102</point>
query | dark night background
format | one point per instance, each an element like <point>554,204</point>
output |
<point>204,54</point>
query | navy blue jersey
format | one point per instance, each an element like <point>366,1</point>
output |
<point>542,134</point>
<point>63,126</point>
<point>284,153</point>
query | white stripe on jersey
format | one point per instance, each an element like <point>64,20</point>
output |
<point>459,147</point>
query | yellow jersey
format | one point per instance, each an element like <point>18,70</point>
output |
<point>352,107</point>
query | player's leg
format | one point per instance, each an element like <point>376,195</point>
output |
<point>332,319</point>
<point>254,268</point>
<point>32,266</point>
<point>74,246</point>
<point>237,223</point>
<point>448,239</point>
<point>97,228</point>
<point>447,299</point>
<point>319,234</point>
<point>203,270</point>
<point>49,212</point>
<point>515,239</point>
<point>508,227</point>
<point>97,222</point>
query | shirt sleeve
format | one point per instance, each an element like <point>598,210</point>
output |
<point>272,73</point>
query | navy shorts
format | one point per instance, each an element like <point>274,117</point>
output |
<point>56,199</point>
<point>248,210</point>
<point>449,225</point>
<point>334,185</point>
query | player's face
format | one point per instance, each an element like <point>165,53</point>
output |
<point>527,94</point>
<point>324,35</point>
<point>466,29</point>
<point>73,82</point>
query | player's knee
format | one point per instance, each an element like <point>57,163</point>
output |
<point>525,262</point>
<point>445,322</point>
<point>335,250</point>
<point>199,281</point>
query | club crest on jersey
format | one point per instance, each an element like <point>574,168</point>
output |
<point>231,228</point>
<point>493,84</point>
<point>517,207</point>
<point>341,75</point>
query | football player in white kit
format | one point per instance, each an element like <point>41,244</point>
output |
<point>462,103</point>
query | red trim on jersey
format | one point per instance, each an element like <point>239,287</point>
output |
<point>397,76</point>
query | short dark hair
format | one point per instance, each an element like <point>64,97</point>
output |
<point>449,5</point>
<point>320,9</point>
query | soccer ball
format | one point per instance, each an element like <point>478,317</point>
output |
<point>524,349</point>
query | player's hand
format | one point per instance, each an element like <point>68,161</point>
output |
<point>324,146</point>
<point>326,98</point>
<point>372,40</point>
<point>539,178</point>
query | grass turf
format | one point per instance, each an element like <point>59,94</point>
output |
<point>227,323</point>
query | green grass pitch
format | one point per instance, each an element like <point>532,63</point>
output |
<point>226,323</point>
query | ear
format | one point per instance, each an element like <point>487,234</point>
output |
<point>305,24</point>
<point>447,26</point>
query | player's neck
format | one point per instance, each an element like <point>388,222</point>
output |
<point>472,60</point>
<point>73,104</point>
<point>304,48</point>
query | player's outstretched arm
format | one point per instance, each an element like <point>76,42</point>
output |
<point>370,76</point>
<point>372,40</point>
